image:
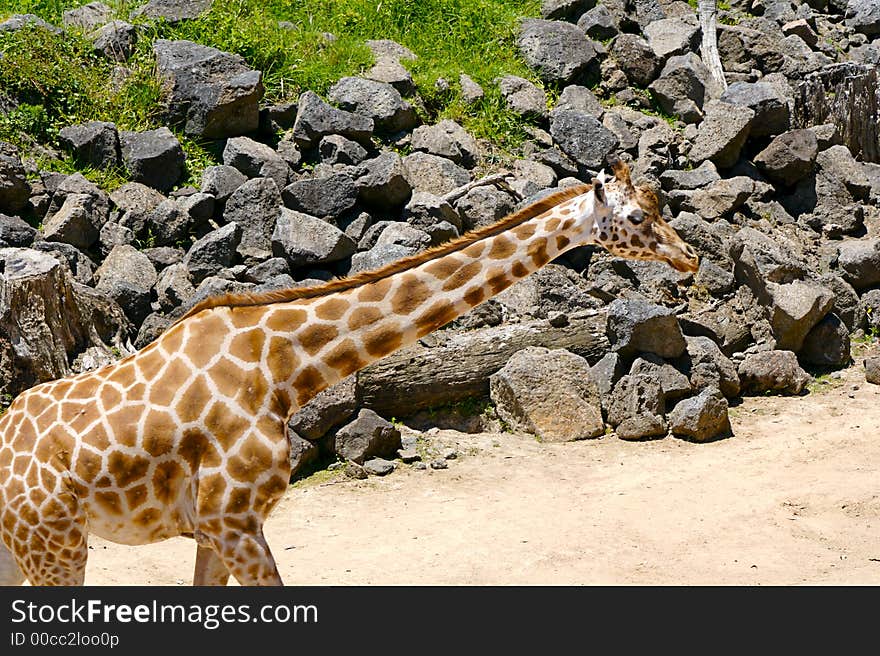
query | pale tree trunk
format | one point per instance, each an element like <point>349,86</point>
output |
<point>707,10</point>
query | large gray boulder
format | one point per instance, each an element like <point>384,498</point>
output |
<point>827,344</point>
<point>78,222</point>
<point>16,232</point>
<point>367,436</point>
<point>636,58</point>
<point>95,143</point>
<point>434,174</point>
<point>598,23</point>
<point>212,253</point>
<point>211,93</point>
<point>859,262</point>
<point>315,119</point>
<point>684,86</point>
<point>221,181</point>
<point>671,37</point>
<point>255,206</point>
<point>303,240</point>
<point>522,97</point>
<point>863,16</point>
<point>636,408</point>
<point>154,157</point>
<point>560,52</point>
<point>582,137</point>
<point>707,366</point>
<point>14,188</point>
<point>789,157</point>
<point>116,40</point>
<point>173,11</point>
<point>673,383</point>
<point>127,276</point>
<point>637,326</point>
<point>327,198</point>
<point>378,101</point>
<point>772,115</point>
<point>795,308</point>
<point>483,206</point>
<point>384,181</point>
<point>447,139</point>
<point>256,160</point>
<point>772,371</point>
<point>702,417</point>
<point>565,9</point>
<point>722,134</point>
<point>548,394</point>
<point>88,16</point>
<point>328,409</point>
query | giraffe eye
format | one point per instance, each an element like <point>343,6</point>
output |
<point>636,216</point>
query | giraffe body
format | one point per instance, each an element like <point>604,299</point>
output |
<point>188,435</point>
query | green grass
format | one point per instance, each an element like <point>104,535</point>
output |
<point>62,82</point>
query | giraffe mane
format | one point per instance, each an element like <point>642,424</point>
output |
<point>246,299</point>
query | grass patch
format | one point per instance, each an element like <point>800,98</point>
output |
<point>58,80</point>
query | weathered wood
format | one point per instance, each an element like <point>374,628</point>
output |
<point>847,95</point>
<point>499,180</point>
<point>459,365</point>
<point>707,10</point>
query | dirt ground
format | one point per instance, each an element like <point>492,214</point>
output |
<point>792,498</point>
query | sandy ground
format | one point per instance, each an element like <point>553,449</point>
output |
<point>793,497</point>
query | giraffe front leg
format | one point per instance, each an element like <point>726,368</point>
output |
<point>209,569</point>
<point>248,557</point>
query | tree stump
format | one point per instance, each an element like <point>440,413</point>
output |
<point>459,365</point>
<point>847,95</point>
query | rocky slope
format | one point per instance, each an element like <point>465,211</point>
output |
<point>775,180</point>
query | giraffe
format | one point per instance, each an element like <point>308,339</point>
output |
<point>188,435</point>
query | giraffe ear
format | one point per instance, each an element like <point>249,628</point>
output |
<point>598,193</point>
<point>620,170</point>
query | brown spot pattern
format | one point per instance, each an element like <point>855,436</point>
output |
<point>411,294</point>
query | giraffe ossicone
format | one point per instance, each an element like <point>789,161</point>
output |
<point>188,435</point>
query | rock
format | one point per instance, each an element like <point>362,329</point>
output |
<point>605,374</point>
<point>439,463</point>
<point>211,93</point>
<point>483,206</point>
<point>127,263</point>
<point>673,383</point>
<point>221,181</point>
<point>95,143</point>
<point>580,99</point>
<point>863,16</point>
<point>77,222</point>
<point>256,160</point>
<point>87,17</point>
<point>154,157</point>
<point>684,87</point>
<point>14,188</point>
<point>846,300</point>
<point>559,52</point>
<point>384,182</point>
<point>328,409</point>
<point>447,139</point>
<point>391,71</point>
<point>355,471</point>
<point>40,341</point>
<point>408,456</point>
<point>671,37</point>
<point>173,11</point>
<point>598,23</point>
<point>378,101</point>
<point>722,134</point>
<point>547,393</point>
<point>789,157</point>
<point>168,224</point>
<point>636,407</point>
<point>426,210</point>
<point>772,371</point>
<point>303,454</point>
<point>705,174</point>
<point>838,167</point>
<point>116,40</point>
<point>336,149</point>
<point>636,326</point>
<point>366,437</point>
<point>255,206</point>
<point>378,467</point>
<point>174,287</point>
<point>16,22</point>
<point>326,198</point>
<point>522,97</point>
<point>795,308</point>
<point>316,119</point>
<point>720,198</point>
<point>136,201</point>
<point>433,174</point>
<point>582,137</point>
<point>213,252</point>
<point>869,310</point>
<point>80,267</point>
<point>304,240</point>
<point>471,92</point>
<point>636,59</point>
<point>859,261</point>
<point>707,366</point>
<point>15,232</point>
<point>702,417</point>
<point>872,370</point>
<point>827,344</point>
<point>565,9</point>
<point>770,107</point>
<point>759,259</point>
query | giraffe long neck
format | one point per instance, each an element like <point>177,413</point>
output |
<point>333,336</point>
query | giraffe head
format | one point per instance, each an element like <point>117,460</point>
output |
<point>628,222</point>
